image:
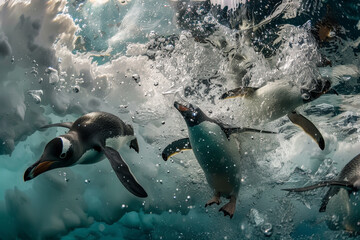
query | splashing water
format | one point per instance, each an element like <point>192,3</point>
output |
<point>61,59</point>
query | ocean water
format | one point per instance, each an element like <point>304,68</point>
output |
<point>62,59</point>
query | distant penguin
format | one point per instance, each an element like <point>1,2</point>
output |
<point>217,154</point>
<point>339,202</point>
<point>278,98</point>
<point>90,138</point>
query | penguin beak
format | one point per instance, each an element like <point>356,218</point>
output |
<point>180,107</point>
<point>37,168</point>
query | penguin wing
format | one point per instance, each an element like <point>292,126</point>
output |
<point>228,130</point>
<point>176,147</point>
<point>344,184</point>
<point>308,127</point>
<point>64,124</point>
<point>123,172</point>
<point>239,92</point>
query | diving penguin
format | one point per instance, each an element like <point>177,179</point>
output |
<point>339,202</point>
<point>216,152</point>
<point>278,98</point>
<point>90,138</point>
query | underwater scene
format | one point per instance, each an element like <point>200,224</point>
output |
<point>179,119</point>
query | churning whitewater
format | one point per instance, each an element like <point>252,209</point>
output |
<point>277,84</point>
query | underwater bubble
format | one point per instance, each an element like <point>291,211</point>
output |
<point>156,84</point>
<point>169,47</point>
<point>123,109</point>
<point>87,181</point>
<point>36,95</point>
<point>34,71</point>
<point>76,89</point>
<point>79,80</point>
<point>267,229</point>
<point>53,75</point>
<point>152,35</point>
<point>101,227</point>
<point>256,217</point>
<point>136,77</point>
<point>12,59</point>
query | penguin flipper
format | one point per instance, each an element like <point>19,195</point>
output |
<point>228,131</point>
<point>308,127</point>
<point>334,189</point>
<point>239,92</point>
<point>123,172</point>
<point>63,124</point>
<point>176,147</point>
<point>344,184</point>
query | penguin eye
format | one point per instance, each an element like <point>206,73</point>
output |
<point>194,114</point>
<point>63,155</point>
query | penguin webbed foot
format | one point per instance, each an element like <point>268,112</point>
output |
<point>123,172</point>
<point>229,208</point>
<point>214,199</point>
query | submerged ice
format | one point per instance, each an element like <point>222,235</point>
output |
<point>62,59</point>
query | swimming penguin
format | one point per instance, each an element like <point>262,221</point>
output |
<point>278,98</point>
<point>90,138</point>
<point>338,202</point>
<point>216,152</point>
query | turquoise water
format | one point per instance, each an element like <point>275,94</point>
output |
<point>62,59</point>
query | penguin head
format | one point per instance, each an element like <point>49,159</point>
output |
<point>315,89</point>
<point>59,152</point>
<point>192,114</point>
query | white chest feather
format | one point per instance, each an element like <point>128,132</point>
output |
<point>210,142</point>
<point>217,156</point>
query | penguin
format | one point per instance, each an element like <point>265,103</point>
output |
<point>216,152</point>
<point>91,138</point>
<point>279,98</point>
<point>340,202</point>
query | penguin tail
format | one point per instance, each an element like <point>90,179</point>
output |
<point>134,145</point>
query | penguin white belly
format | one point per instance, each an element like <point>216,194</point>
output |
<point>218,157</point>
<point>272,101</point>
<point>93,156</point>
